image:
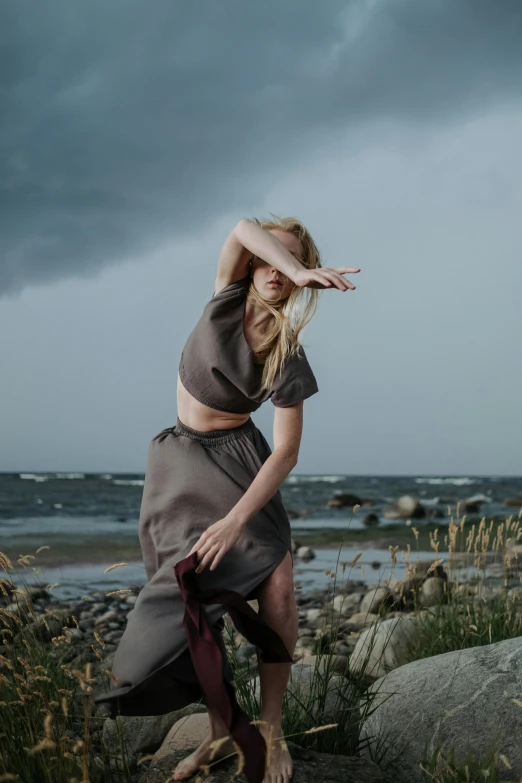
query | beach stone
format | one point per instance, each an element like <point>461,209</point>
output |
<point>313,614</point>
<point>186,734</point>
<point>432,591</point>
<point>336,663</point>
<point>374,599</point>
<point>305,553</point>
<point>142,734</point>
<point>360,620</point>
<point>346,603</point>
<point>20,609</point>
<point>309,767</point>
<point>302,687</point>
<point>32,593</point>
<point>515,593</point>
<point>107,617</point>
<point>468,700</point>
<point>384,646</point>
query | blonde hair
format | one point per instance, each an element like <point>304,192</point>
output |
<point>293,313</point>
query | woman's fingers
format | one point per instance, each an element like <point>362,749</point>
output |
<point>335,278</point>
<point>207,558</point>
<point>217,559</point>
<point>202,545</point>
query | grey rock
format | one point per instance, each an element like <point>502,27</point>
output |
<point>305,553</point>
<point>406,507</point>
<point>374,599</point>
<point>384,646</point>
<point>309,767</point>
<point>465,700</point>
<point>432,591</point>
<point>106,617</point>
<point>141,733</point>
<point>371,520</point>
<point>304,685</point>
<point>347,603</point>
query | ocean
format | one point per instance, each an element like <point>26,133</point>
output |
<point>89,521</point>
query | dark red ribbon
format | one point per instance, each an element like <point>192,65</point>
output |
<point>208,661</point>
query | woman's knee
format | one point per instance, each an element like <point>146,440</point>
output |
<point>277,594</point>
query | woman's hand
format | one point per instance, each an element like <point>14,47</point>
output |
<point>325,277</point>
<point>215,542</point>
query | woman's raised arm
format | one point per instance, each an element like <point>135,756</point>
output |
<point>247,239</point>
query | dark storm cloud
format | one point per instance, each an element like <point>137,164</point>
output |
<point>126,123</point>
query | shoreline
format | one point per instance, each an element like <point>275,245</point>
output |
<point>96,550</point>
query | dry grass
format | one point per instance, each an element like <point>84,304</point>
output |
<point>47,725</point>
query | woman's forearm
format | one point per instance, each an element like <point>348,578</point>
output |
<point>268,247</point>
<point>264,486</point>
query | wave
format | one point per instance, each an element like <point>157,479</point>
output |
<point>50,476</point>
<point>457,482</point>
<point>129,482</point>
<point>310,479</point>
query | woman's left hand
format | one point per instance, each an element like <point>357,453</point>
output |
<point>215,542</point>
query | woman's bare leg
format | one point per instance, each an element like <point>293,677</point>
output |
<point>204,754</point>
<point>277,607</point>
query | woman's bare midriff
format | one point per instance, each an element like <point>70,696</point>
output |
<point>199,416</point>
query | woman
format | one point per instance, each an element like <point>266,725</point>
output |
<point>213,529</point>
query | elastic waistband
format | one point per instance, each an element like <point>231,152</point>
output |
<point>214,437</point>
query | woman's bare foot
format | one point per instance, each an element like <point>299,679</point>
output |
<point>279,766</point>
<point>204,754</point>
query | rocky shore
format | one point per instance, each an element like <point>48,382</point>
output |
<point>362,635</point>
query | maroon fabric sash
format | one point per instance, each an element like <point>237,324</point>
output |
<point>208,661</point>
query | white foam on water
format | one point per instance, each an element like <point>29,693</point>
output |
<point>129,482</point>
<point>457,482</point>
<point>311,479</point>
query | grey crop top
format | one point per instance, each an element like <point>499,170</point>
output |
<point>217,364</point>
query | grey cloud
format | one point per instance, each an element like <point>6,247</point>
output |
<point>124,124</point>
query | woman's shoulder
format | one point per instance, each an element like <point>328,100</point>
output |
<point>296,380</point>
<point>238,287</point>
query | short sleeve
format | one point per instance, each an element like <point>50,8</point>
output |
<point>297,382</point>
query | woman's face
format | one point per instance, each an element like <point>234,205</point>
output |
<point>263,273</point>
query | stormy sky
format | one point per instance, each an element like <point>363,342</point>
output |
<point>134,136</point>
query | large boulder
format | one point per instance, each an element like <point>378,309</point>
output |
<point>469,700</point>
<point>309,767</point>
<point>384,646</point>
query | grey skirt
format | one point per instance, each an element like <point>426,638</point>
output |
<point>192,480</point>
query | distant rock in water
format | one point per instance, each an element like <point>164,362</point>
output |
<point>514,502</point>
<point>406,507</point>
<point>345,499</point>
<point>371,520</point>
<point>305,553</point>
